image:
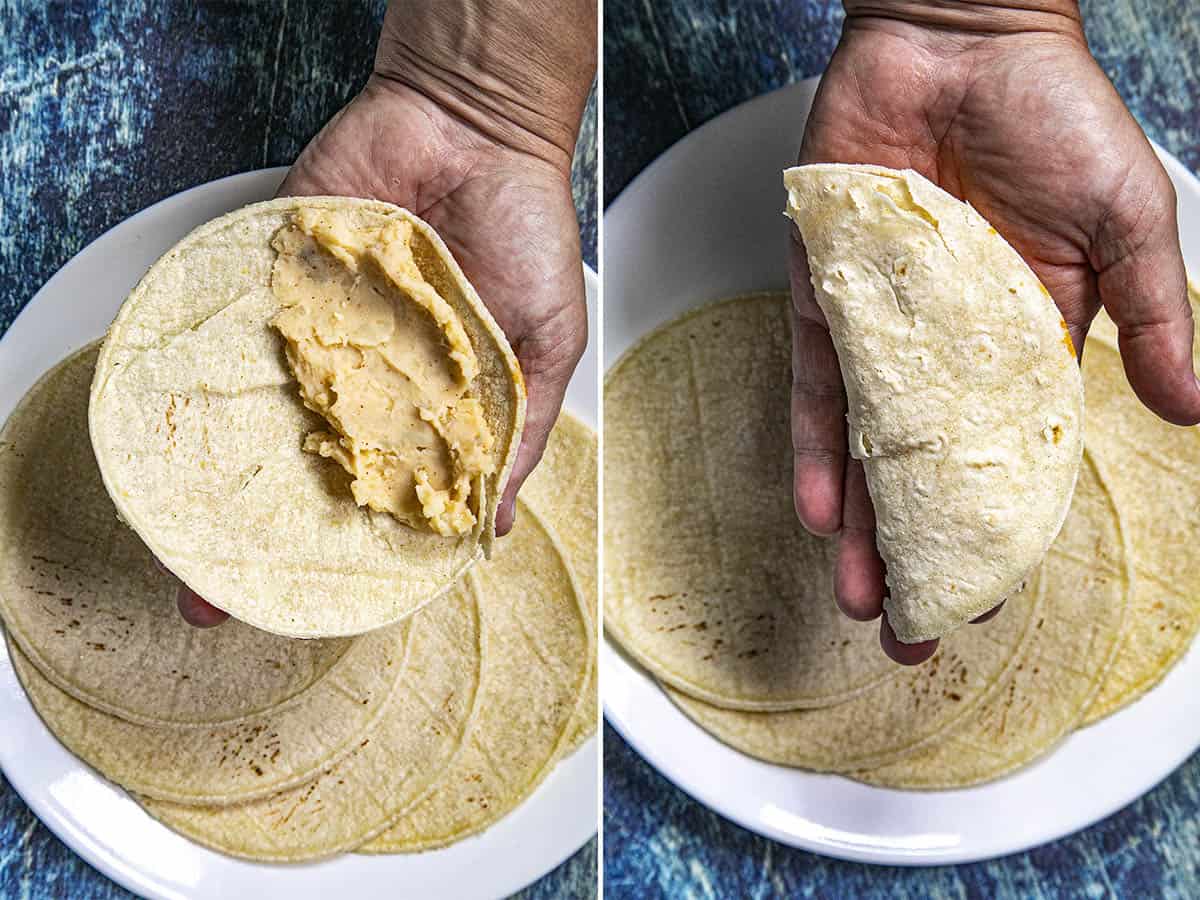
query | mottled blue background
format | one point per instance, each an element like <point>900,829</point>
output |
<point>670,66</point>
<point>106,108</point>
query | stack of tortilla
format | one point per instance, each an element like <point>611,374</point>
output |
<point>712,585</point>
<point>406,738</point>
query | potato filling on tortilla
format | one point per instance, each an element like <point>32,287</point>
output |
<point>382,356</point>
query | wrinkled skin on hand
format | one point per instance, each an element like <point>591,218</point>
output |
<point>1023,125</point>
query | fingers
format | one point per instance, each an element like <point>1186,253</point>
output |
<point>196,611</point>
<point>859,583</point>
<point>1143,285</point>
<point>548,357</point>
<point>905,654</point>
<point>540,415</point>
<point>859,576</point>
<point>830,490</point>
<point>915,654</point>
<point>859,572</point>
<point>818,408</point>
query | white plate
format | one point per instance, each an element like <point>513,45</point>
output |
<point>97,819</point>
<point>705,221</point>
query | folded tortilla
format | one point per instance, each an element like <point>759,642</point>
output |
<point>964,395</point>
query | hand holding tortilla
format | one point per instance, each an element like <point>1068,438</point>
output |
<point>486,171</point>
<point>1066,177</point>
<point>965,398</point>
<point>491,172</point>
<point>210,425</point>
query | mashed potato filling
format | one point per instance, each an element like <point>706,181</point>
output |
<point>385,360</point>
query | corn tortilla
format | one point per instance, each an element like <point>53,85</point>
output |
<point>252,758</point>
<point>82,598</point>
<point>895,718</point>
<point>1139,451</point>
<point>198,430</point>
<point>392,768</point>
<point>563,490</point>
<point>711,583</point>
<point>539,656</point>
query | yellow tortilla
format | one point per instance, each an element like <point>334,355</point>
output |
<point>1141,455</point>
<point>899,716</point>
<point>392,768</point>
<point>255,757</point>
<point>539,644</point>
<point>81,597</point>
<point>711,583</point>
<point>1086,581</point>
<point>199,431</point>
<point>563,490</point>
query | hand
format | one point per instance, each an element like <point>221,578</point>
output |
<point>469,120</point>
<point>1007,110</point>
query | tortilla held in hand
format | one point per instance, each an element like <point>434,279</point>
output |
<point>965,401</point>
<point>307,414</point>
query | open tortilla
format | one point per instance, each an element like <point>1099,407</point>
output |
<point>255,757</point>
<point>711,583</point>
<point>892,719</point>
<point>993,697</point>
<point>82,598</point>
<point>965,399</point>
<point>393,767</point>
<point>1139,451</point>
<point>540,645</point>
<point>198,429</point>
<point>564,493</point>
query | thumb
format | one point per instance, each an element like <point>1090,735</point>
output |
<point>1143,285</point>
<point>196,611</point>
<point>548,356</point>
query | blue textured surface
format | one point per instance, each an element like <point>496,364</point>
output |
<point>106,108</point>
<point>670,66</point>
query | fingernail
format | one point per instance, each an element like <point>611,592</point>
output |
<point>509,518</point>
